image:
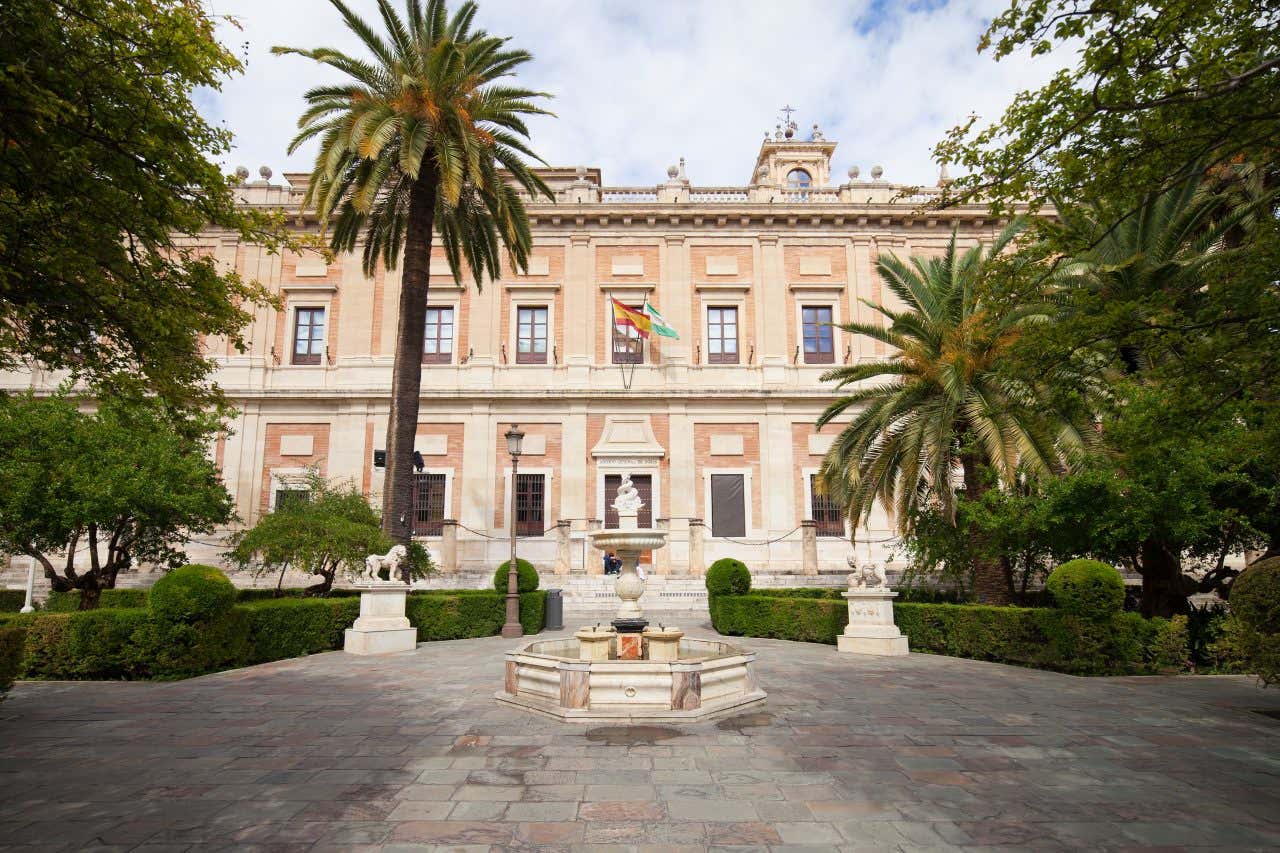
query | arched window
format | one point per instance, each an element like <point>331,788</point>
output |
<point>798,179</point>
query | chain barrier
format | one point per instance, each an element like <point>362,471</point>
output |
<point>480,534</point>
<point>762,541</point>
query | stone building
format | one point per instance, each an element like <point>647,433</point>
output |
<point>716,427</point>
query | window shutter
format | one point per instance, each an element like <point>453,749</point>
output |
<point>728,505</point>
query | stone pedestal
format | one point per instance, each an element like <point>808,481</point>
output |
<point>630,646</point>
<point>871,630</point>
<point>593,643</point>
<point>664,643</point>
<point>382,627</point>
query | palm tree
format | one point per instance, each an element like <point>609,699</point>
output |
<point>941,410</point>
<point>422,141</point>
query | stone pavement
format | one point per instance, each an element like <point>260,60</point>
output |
<point>411,752</point>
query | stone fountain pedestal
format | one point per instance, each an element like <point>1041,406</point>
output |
<point>382,627</point>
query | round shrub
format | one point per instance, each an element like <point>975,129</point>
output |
<point>526,577</point>
<point>1255,596</point>
<point>190,594</point>
<point>1253,629</point>
<point>728,576</point>
<point>1087,588</point>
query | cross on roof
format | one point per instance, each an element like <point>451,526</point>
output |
<point>788,109</point>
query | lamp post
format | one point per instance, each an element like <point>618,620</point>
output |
<point>512,627</point>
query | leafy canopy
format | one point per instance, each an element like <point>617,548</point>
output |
<point>94,491</point>
<point>108,186</point>
<point>429,114</point>
<point>941,400</point>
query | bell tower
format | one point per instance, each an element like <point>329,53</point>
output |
<point>790,163</point>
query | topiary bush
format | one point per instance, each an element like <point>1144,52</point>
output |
<point>728,576</point>
<point>526,579</point>
<point>1253,630</point>
<point>1087,589</point>
<point>191,594</point>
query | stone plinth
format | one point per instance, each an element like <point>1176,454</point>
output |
<point>664,643</point>
<point>593,643</point>
<point>630,646</point>
<point>871,630</point>
<point>382,627</point>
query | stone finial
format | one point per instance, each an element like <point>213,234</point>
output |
<point>682,174</point>
<point>672,172</point>
<point>876,172</point>
<point>816,136</point>
<point>242,174</point>
<point>777,131</point>
<point>762,173</point>
<point>943,177</point>
<point>854,172</point>
<point>580,173</point>
<point>264,172</point>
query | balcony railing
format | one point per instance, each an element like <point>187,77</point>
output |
<point>627,195</point>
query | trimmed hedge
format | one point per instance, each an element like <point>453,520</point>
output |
<point>728,576</point>
<point>1253,630</point>
<point>11,644</point>
<point>132,643</point>
<point>1037,637</point>
<point>526,576</point>
<point>11,600</point>
<point>192,593</point>
<point>68,602</point>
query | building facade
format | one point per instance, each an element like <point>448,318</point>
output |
<point>716,427</point>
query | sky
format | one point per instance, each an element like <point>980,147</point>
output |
<point>639,84</point>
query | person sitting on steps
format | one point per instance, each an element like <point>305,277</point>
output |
<point>612,563</point>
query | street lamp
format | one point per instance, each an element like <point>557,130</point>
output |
<point>512,627</point>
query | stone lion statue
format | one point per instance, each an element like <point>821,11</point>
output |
<point>866,576</point>
<point>374,563</point>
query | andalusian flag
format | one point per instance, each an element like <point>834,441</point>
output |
<point>658,324</point>
<point>625,315</point>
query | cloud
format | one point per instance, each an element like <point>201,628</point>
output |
<point>639,85</point>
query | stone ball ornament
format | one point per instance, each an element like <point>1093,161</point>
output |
<point>876,172</point>
<point>854,172</point>
<point>264,172</point>
<point>242,173</point>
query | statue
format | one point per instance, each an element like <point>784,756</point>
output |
<point>868,576</point>
<point>374,563</point>
<point>628,500</point>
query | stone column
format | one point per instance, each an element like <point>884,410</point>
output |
<point>595,562</point>
<point>563,558</point>
<point>809,545</point>
<point>697,564</point>
<point>449,545</point>
<point>662,556</point>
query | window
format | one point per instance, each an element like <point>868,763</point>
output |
<point>798,179</point>
<point>819,339</point>
<point>628,346</point>
<point>644,487</point>
<point>824,511</point>
<point>530,503</point>
<point>308,335</point>
<point>428,504</point>
<point>531,335</point>
<point>437,346</point>
<point>286,498</point>
<point>722,335</point>
<point>728,505</point>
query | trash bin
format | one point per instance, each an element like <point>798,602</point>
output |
<point>555,610</point>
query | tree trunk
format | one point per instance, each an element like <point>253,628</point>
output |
<point>406,375</point>
<point>992,581</point>
<point>1164,590</point>
<point>90,597</point>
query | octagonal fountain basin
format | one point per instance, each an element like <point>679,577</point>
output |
<point>705,677</point>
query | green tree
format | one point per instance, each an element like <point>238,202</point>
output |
<point>1155,93</point>
<point>942,408</point>
<point>332,529</point>
<point>423,141</point>
<point>107,181</point>
<point>87,495</point>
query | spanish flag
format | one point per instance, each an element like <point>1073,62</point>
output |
<point>625,315</point>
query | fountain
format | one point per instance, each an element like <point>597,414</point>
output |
<point>629,670</point>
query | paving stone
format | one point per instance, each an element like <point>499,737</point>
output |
<point>408,752</point>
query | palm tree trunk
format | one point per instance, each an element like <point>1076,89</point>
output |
<point>406,375</point>
<point>992,582</point>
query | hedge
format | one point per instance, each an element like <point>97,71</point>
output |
<point>1036,637</point>
<point>11,645</point>
<point>66,602</point>
<point>11,600</point>
<point>130,643</point>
